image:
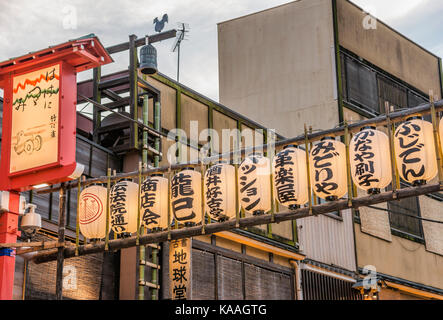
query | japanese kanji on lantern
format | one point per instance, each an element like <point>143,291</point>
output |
<point>154,203</point>
<point>186,197</point>
<point>180,269</point>
<point>370,159</point>
<point>327,163</point>
<point>415,151</point>
<point>220,192</point>
<point>255,184</point>
<point>290,177</point>
<point>123,207</point>
<point>92,212</point>
<point>39,113</point>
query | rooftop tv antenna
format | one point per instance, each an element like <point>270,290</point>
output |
<point>181,34</point>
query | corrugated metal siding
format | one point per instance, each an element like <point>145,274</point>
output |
<point>328,240</point>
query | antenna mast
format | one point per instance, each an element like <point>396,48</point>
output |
<point>181,33</point>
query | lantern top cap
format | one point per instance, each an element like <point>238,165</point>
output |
<point>289,146</point>
<point>187,168</point>
<point>368,128</point>
<point>157,175</point>
<point>327,138</point>
<point>415,117</point>
<point>83,53</point>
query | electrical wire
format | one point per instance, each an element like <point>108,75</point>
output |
<point>405,214</point>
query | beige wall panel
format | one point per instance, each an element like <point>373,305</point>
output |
<point>433,232</point>
<point>328,240</point>
<point>387,49</point>
<point>400,258</point>
<point>165,147</point>
<point>220,122</point>
<point>282,261</point>
<point>228,244</point>
<point>376,222</point>
<point>253,252</point>
<point>277,66</point>
<point>206,238</point>
<point>283,229</point>
<point>168,104</point>
<point>251,137</point>
<point>193,110</point>
<point>352,116</point>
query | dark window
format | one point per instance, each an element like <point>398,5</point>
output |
<point>399,216</point>
<point>361,85</point>
<point>391,92</point>
<point>367,87</point>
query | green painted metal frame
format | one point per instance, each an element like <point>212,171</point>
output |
<point>211,105</point>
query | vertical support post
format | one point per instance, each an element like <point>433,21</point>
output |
<point>145,133</point>
<point>202,166</point>
<point>108,189</point>
<point>348,165</point>
<point>391,131</point>
<point>61,241</point>
<point>133,87</point>
<point>169,203</point>
<point>8,234</point>
<point>77,222</point>
<point>308,171</point>
<point>237,200</point>
<point>157,126</point>
<point>435,124</point>
<point>137,239</point>
<point>96,96</point>
<point>310,148</point>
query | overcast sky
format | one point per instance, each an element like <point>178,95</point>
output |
<point>29,25</point>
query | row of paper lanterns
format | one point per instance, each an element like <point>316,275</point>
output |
<point>370,165</point>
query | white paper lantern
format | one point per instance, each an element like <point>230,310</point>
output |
<point>186,197</point>
<point>154,203</point>
<point>255,184</point>
<point>369,155</point>
<point>290,177</point>
<point>327,163</point>
<point>220,192</point>
<point>415,151</point>
<point>92,212</point>
<point>123,207</point>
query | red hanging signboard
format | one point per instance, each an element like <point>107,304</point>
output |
<point>39,113</point>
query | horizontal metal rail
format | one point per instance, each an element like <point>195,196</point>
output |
<point>316,136</point>
<point>325,208</point>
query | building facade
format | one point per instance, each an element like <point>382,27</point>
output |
<point>321,63</point>
<point>279,69</point>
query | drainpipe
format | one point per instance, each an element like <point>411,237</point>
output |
<point>297,275</point>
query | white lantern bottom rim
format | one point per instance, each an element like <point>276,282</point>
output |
<point>374,191</point>
<point>418,183</point>
<point>258,213</point>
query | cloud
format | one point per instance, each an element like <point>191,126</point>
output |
<point>29,25</point>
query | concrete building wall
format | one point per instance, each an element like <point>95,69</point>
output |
<point>400,258</point>
<point>387,49</point>
<point>277,66</point>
